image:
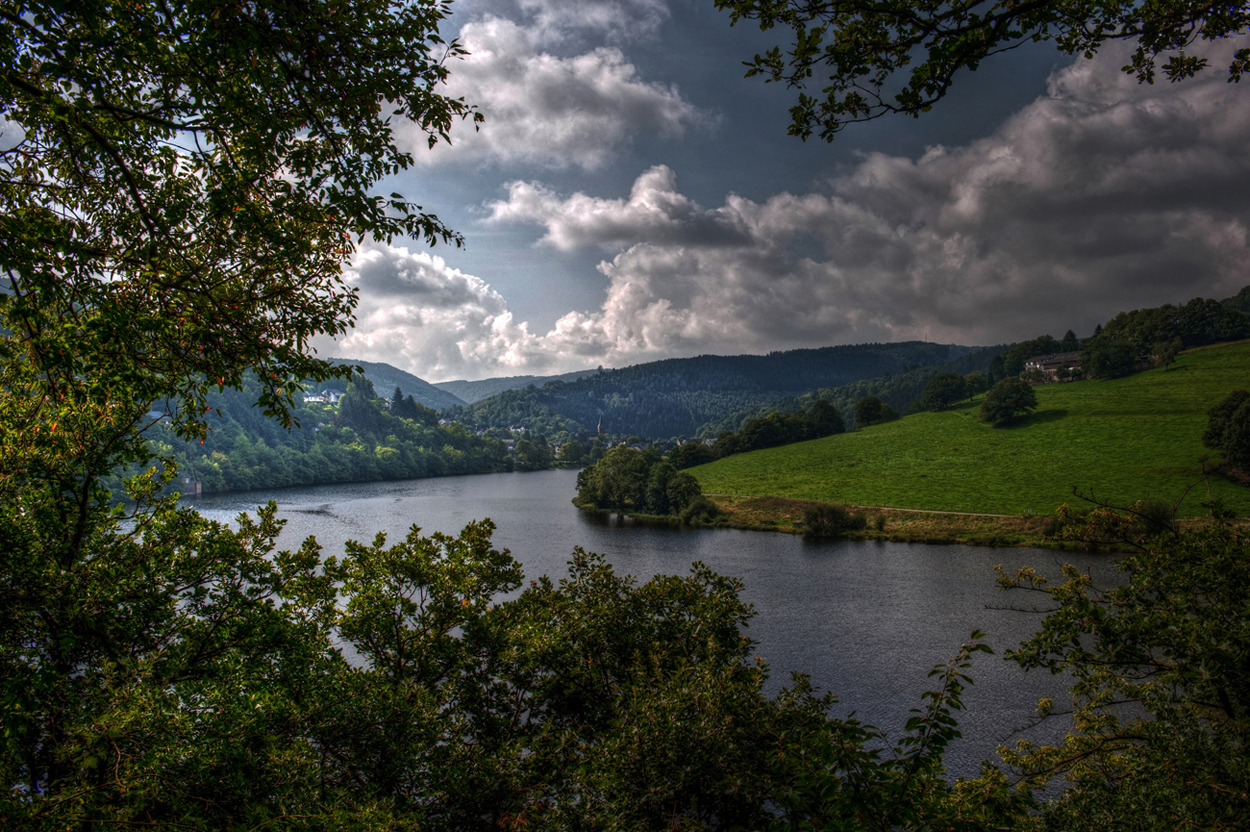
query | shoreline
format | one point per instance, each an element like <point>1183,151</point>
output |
<point>781,515</point>
<point>912,525</point>
<point>785,515</point>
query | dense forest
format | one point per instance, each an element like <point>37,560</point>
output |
<point>642,482</point>
<point>361,438</point>
<point>677,397</point>
<point>898,390</point>
<point>1200,322</point>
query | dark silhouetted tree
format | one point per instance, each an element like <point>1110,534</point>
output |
<point>1228,428</point>
<point>1103,357</point>
<point>943,390</point>
<point>1008,400</point>
<point>852,62</point>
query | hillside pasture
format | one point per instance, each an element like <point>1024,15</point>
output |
<point>1120,440</point>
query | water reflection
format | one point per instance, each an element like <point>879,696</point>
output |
<point>867,620</point>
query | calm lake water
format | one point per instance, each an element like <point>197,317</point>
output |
<point>866,619</point>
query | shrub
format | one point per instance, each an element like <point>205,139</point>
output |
<point>1155,516</point>
<point>831,521</point>
<point>1228,428</point>
<point>700,510</point>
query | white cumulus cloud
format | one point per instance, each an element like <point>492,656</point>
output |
<point>1101,195</point>
<point>654,211</point>
<point>549,110</point>
<point>420,314</point>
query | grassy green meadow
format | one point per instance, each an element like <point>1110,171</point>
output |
<point>1122,440</point>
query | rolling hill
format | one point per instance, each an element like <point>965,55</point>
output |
<point>386,378</point>
<point>1121,440</point>
<point>675,397</point>
<point>475,391</point>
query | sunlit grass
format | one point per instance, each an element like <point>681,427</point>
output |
<point>1121,440</point>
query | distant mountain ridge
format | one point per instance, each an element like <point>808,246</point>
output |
<point>475,391</point>
<point>386,378</point>
<point>677,396</point>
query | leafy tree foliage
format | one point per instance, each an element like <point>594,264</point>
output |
<point>244,451</point>
<point>871,411</point>
<point>534,454</point>
<point>1070,342</point>
<point>210,687</point>
<point>776,429</point>
<point>1240,301</point>
<point>1008,400</point>
<point>360,408</point>
<point>997,371</point>
<point>409,408</point>
<point>976,383</point>
<point>1161,693</point>
<point>1014,358</point>
<point>943,390</point>
<point>690,455</point>
<point>1195,324</point>
<point>901,58</point>
<point>631,480</point>
<point>571,453</point>
<point>1164,353</point>
<point>1228,428</point>
<point>868,412</point>
<point>1104,357</point>
<point>190,179</point>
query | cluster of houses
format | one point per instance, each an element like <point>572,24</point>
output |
<point>328,395</point>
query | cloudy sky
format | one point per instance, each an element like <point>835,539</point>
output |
<point>632,197</point>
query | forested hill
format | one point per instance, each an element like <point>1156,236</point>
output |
<point>475,391</point>
<point>675,397</point>
<point>898,390</point>
<point>358,439</point>
<point>386,378</point>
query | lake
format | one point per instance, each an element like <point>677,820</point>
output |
<point>866,619</point>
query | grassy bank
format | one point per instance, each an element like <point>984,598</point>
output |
<point>1121,440</point>
<point>780,514</point>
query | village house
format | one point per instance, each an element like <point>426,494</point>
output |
<point>1050,365</point>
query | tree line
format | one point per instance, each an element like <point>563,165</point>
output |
<point>771,431</point>
<point>895,391</point>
